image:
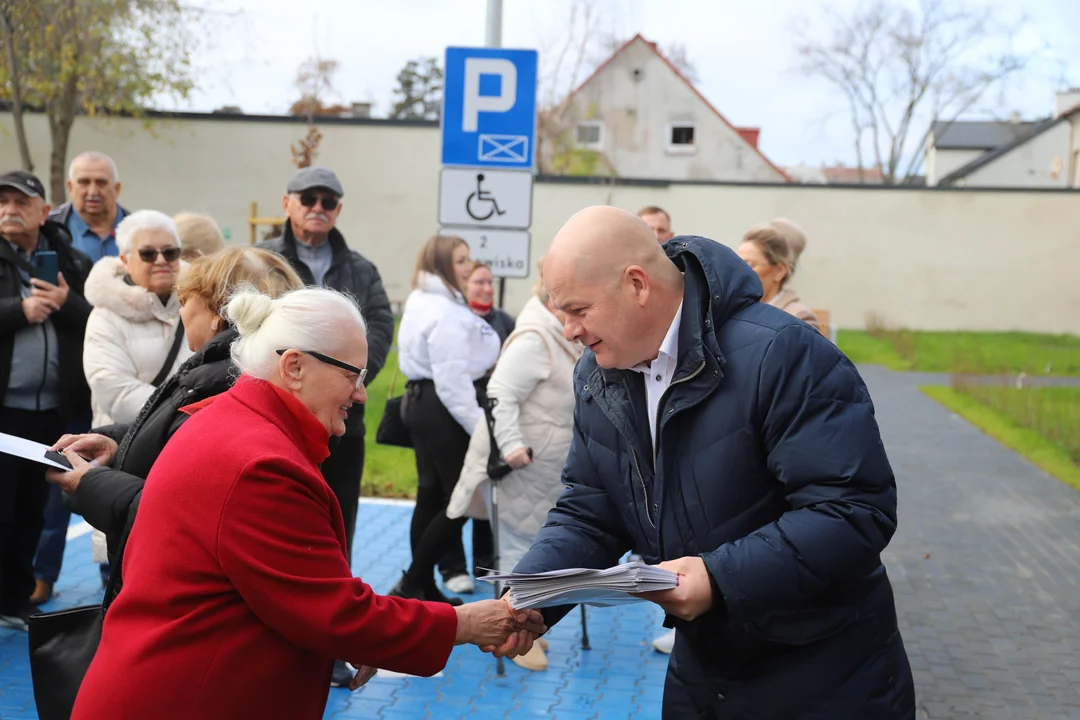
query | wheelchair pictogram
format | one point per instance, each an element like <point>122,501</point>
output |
<point>482,196</point>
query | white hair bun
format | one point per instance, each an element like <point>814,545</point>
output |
<point>248,310</point>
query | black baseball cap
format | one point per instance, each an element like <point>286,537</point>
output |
<point>24,182</point>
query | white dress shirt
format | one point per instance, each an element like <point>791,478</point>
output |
<point>659,372</point>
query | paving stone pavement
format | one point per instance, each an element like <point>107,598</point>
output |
<point>985,565</point>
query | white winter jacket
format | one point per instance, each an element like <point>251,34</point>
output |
<point>128,336</point>
<point>534,385</point>
<point>441,339</point>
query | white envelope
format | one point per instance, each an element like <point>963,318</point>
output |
<point>504,148</point>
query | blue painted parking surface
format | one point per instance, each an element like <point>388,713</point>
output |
<point>621,676</point>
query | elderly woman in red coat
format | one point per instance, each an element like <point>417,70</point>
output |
<point>237,595</point>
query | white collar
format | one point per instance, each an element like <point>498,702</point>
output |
<point>669,348</point>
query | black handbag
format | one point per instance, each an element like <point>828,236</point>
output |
<point>393,429</point>
<point>62,646</point>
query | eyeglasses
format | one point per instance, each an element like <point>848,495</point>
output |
<point>150,254</point>
<point>360,373</point>
<point>328,202</point>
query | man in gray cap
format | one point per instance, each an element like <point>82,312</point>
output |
<point>317,251</point>
<point>42,322</point>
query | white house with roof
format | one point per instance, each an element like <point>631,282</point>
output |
<point>647,120</point>
<point>1039,154</point>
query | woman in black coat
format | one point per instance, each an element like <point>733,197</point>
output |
<point>106,489</point>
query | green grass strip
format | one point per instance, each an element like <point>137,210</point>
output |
<point>1028,443</point>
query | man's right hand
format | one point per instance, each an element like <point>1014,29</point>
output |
<point>97,448</point>
<point>38,308</point>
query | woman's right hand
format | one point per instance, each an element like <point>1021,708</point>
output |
<point>92,446</point>
<point>519,458</point>
<point>488,624</point>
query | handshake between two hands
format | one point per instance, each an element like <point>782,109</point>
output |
<point>492,625</point>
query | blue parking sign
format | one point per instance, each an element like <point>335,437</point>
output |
<point>489,108</point>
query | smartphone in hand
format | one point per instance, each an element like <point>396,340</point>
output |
<point>47,266</point>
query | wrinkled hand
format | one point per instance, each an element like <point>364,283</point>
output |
<point>69,480</point>
<point>693,597</point>
<point>56,294</point>
<point>519,458</point>
<point>38,309</point>
<point>495,627</point>
<point>363,674</point>
<point>98,448</point>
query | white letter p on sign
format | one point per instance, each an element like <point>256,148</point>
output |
<point>475,103</point>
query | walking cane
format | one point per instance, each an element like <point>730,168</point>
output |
<point>496,471</point>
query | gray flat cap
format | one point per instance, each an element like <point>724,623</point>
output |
<point>314,177</point>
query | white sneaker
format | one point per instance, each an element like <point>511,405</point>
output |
<point>460,585</point>
<point>664,643</point>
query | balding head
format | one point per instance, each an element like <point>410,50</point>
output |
<point>94,186</point>
<point>615,284</point>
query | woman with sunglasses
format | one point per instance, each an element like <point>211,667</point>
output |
<point>136,317</point>
<point>135,323</point>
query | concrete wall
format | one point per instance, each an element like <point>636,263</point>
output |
<point>922,258</point>
<point>1029,165</point>
<point>219,166</point>
<point>636,112</point>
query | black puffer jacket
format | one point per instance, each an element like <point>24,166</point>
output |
<point>69,321</point>
<point>352,273</point>
<point>108,497</point>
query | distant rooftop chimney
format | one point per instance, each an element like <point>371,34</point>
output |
<point>1014,117</point>
<point>1066,100</point>
<point>229,110</point>
<point>361,109</point>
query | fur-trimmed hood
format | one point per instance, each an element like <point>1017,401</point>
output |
<point>107,288</point>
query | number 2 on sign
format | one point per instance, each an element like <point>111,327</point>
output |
<point>483,241</point>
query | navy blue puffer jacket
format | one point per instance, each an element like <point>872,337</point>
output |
<point>770,467</point>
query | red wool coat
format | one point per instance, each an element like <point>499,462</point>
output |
<point>237,596</point>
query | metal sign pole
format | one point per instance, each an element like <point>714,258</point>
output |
<point>493,38</point>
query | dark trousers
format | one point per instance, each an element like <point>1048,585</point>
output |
<point>23,496</point>
<point>440,444</point>
<point>483,551</point>
<point>50,549</point>
<point>343,472</point>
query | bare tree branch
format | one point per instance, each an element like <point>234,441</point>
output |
<point>897,68</point>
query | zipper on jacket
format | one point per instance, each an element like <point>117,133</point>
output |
<point>644,489</point>
<point>660,405</point>
<point>45,368</point>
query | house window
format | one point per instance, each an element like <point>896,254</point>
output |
<point>589,134</point>
<point>681,138</point>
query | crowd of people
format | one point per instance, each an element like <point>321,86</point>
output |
<point>647,399</point>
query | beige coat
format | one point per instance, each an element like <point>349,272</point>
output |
<point>788,301</point>
<point>534,384</point>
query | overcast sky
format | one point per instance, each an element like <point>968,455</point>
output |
<point>743,51</point>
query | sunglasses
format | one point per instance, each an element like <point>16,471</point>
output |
<point>360,373</point>
<point>150,254</point>
<point>328,202</point>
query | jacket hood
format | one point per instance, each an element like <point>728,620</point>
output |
<point>535,316</point>
<point>430,283</point>
<point>732,284</point>
<point>106,288</point>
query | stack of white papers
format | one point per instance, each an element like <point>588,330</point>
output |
<point>602,588</point>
